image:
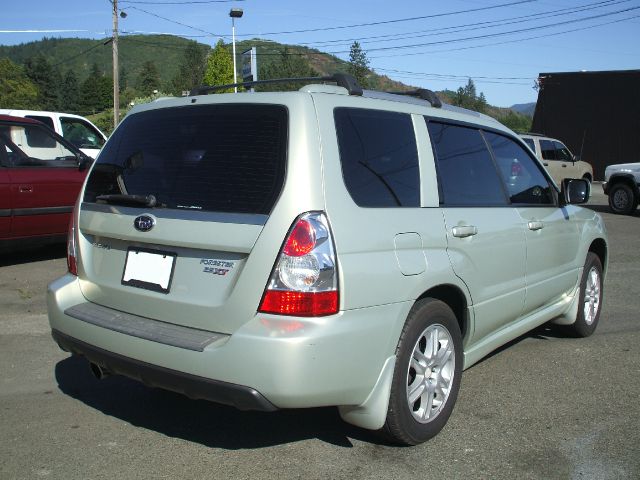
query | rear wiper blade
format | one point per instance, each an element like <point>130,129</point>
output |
<point>120,199</point>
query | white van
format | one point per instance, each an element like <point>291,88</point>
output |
<point>74,128</point>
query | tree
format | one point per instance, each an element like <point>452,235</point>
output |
<point>191,71</point>
<point>16,89</point>
<point>47,78</point>
<point>219,70</point>
<point>467,97</point>
<point>70,93</point>
<point>148,79</point>
<point>359,64</point>
<point>96,92</point>
<point>288,65</point>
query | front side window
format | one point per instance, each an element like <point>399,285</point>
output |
<point>80,133</point>
<point>562,152</point>
<point>379,157</point>
<point>221,158</point>
<point>525,182</point>
<point>466,173</point>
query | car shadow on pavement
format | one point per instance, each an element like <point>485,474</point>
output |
<point>199,421</point>
<point>34,254</point>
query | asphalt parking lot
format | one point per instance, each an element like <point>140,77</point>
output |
<point>542,407</point>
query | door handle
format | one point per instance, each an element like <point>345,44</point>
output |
<point>564,165</point>
<point>25,188</point>
<point>464,231</point>
<point>534,225</point>
<point>545,164</point>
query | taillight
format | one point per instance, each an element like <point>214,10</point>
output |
<point>72,247</point>
<point>304,281</point>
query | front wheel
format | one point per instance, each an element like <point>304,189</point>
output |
<point>427,374</point>
<point>590,300</point>
<point>622,199</point>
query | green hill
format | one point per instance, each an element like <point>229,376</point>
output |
<point>167,52</point>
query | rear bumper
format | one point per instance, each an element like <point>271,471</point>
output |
<point>243,398</point>
<point>269,362</point>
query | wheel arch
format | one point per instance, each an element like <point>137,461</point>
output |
<point>599,248</point>
<point>455,298</point>
<point>626,178</point>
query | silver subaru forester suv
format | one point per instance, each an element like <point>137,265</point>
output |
<point>322,247</point>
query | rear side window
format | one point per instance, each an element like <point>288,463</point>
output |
<point>48,121</point>
<point>548,150</point>
<point>379,157</point>
<point>223,158</point>
<point>529,142</point>
<point>466,173</point>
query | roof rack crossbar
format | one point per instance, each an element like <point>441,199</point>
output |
<point>424,94</point>
<point>341,79</point>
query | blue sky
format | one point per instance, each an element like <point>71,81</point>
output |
<point>430,44</point>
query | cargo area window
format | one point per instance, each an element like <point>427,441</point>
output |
<point>222,158</point>
<point>379,157</point>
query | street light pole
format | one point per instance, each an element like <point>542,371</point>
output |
<point>234,13</point>
<point>116,73</point>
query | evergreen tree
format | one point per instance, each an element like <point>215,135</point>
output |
<point>70,93</point>
<point>359,64</point>
<point>123,78</point>
<point>467,97</point>
<point>148,79</point>
<point>191,71</point>
<point>47,78</point>
<point>219,70</point>
<point>96,92</point>
<point>16,89</point>
<point>288,65</point>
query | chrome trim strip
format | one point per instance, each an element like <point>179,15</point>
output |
<point>21,212</point>
<point>177,214</point>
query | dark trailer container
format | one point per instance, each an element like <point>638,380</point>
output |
<point>596,114</point>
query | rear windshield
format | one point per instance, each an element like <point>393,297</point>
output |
<point>223,158</point>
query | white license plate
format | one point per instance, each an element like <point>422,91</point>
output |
<point>149,270</point>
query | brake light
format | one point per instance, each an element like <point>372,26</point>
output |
<point>72,247</point>
<point>304,281</point>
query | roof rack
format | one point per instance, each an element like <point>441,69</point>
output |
<point>423,94</point>
<point>341,79</point>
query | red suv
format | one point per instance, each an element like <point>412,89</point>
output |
<point>40,177</point>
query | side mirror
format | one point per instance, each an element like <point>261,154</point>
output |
<point>576,158</point>
<point>84,162</point>
<point>575,191</point>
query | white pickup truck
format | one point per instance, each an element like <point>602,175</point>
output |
<point>622,185</point>
<point>76,129</point>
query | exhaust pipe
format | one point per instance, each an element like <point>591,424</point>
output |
<point>98,371</point>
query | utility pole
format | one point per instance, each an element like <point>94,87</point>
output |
<point>116,73</point>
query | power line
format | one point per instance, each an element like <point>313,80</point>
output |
<point>177,23</point>
<point>385,22</point>
<point>491,35</point>
<point>102,43</point>
<point>534,37</point>
<point>188,2</point>
<point>474,26</point>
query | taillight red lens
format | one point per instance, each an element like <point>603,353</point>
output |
<point>301,304</point>
<point>72,248</point>
<point>301,241</point>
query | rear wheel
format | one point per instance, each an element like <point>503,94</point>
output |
<point>427,374</point>
<point>590,300</point>
<point>622,199</point>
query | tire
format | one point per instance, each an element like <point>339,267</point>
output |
<point>622,199</point>
<point>414,417</point>
<point>590,299</point>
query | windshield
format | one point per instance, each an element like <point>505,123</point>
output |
<point>225,158</point>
